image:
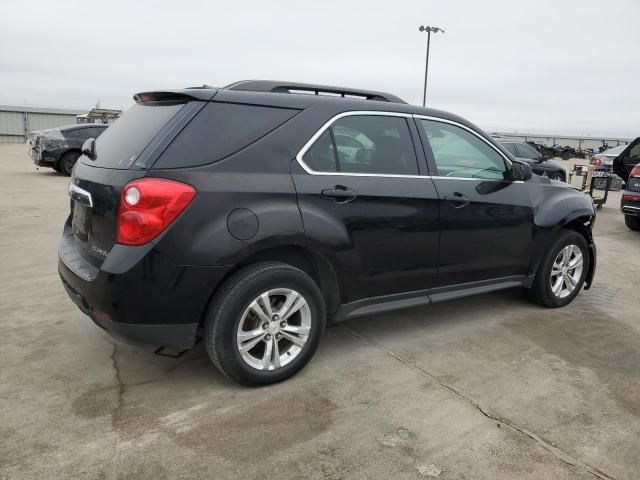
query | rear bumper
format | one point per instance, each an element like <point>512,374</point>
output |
<point>178,336</point>
<point>630,207</point>
<point>42,158</point>
<point>139,297</point>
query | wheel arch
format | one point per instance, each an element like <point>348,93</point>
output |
<point>316,266</point>
<point>580,222</point>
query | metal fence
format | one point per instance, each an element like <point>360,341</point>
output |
<point>564,140</point>
<point>16,122</point>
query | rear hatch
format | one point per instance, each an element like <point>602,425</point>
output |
<point>124,152</point>
<point>629,158</point>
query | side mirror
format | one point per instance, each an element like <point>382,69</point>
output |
<point>521,171</point>
<point>89,148</point>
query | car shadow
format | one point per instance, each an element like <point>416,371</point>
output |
<point>194,369</point>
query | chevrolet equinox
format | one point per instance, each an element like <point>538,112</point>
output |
<point>252,215</point>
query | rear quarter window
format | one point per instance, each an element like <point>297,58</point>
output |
<point>220,130</point>
<point>120,145</point>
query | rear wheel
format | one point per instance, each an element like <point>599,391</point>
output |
<point>67,162</point>
<point>566,155</point>
<point>632,222</point>
<point>562,272</point>
<point>264,323</point>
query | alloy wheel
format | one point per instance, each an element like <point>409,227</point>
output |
<point>274,329</point>
<point>566,271</point>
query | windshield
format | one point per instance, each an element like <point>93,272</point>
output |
<point>615,151</point>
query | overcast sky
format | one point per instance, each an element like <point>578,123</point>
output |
<point>551,66</point>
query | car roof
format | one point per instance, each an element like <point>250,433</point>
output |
<point>80,125</point>
<point>290,95</point>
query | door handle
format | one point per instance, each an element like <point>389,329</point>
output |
<point>339,194</point>
<point>458,200</point>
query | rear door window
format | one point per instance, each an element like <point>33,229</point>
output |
<point>511,148</point>
<point>525,151</point>
<point>121,143</point>
<point>365,144</point>
<point>220,130</point>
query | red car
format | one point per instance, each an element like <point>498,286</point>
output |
<point>630,203</point>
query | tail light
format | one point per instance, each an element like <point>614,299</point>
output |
<point>148,206</point>
<point>635,171</point>
<point>629,197</point>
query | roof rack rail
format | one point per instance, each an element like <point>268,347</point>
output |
<point>307,88</point>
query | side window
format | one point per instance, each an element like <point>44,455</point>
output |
<point>459,153</point>
<point>86,133</point>
<point>96,132</point>
<point>218,131</point>
<point>373,144</point>
<point>511,148</point>
<point>77,133</point>
<point>525,151</point>
<point>321,156</point>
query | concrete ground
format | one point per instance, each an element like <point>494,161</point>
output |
<point>490,387</point>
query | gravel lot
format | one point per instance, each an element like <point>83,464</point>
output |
<point>490,387</point>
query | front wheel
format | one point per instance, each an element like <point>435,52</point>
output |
<point>562,271</point>
<point>632,222</point>
<point>264,323</point>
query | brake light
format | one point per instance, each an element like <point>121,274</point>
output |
<point>635,171</point>
<point>148,206</point>
<point>630,197</point>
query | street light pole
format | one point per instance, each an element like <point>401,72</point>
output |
<point>427,29</point>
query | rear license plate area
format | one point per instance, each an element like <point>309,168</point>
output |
<point>81,221</point>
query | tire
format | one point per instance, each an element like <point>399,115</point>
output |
<point>234,309</point>
<point>541,291</point>
<point>566,155</point>
<point>67,162</point>
<point>632,222</point>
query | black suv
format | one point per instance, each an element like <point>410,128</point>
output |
<point>539,164</point>
<point>59,148</point>
<point>254,214</point>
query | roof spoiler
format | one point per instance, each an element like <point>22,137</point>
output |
<point>203,93</point>
<point>306,88</point>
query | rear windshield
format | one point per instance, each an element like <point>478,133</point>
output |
<point>121,143</point>
<point>220,130</point>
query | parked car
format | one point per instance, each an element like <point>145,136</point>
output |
<point>539,165</point>
<point>59,148</point>
<point>546,152</point>
<point>604,160</point>
<point>235,214</point>
<point>630,202</point>
<point>627,159</point>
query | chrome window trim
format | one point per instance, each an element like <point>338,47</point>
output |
<point>326,125</point>
<point>324,128</point>
<point>470,130</point>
